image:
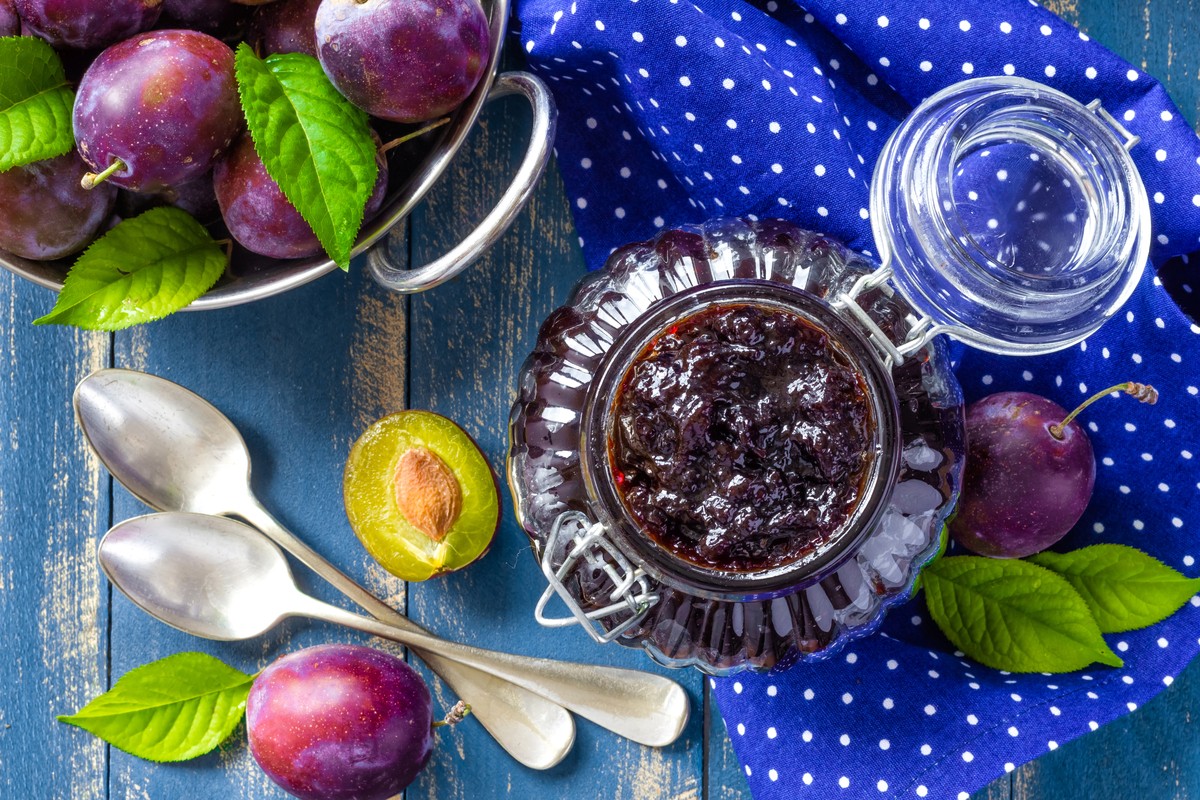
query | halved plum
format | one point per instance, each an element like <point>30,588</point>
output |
<point>420,495</point>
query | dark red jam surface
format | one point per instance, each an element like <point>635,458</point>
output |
<point>741,437</point>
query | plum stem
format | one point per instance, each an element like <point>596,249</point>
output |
<point>397,142</point>
<point>92,179</point>
<point>1142,391</point>
<point>227,245</point>
<point>456,714</point>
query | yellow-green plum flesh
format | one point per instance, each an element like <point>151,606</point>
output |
<point>393,537</point>
<point>340,722</point>
<point>1023,488</point>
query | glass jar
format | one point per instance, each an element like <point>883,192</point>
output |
<point>1006,214</point>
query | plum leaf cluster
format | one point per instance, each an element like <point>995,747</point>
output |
<point>1124,588</point>
<point>1013,615</point>
<point>1047,614</point>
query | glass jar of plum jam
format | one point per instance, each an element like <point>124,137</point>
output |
<point>737,444</point>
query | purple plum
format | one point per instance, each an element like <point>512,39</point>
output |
<point>1030,472</point>
<point>287,26</point>
<point>157,110</point>
<point>88,24</point>
<point>1024,486</point>
<point>255,209</point>
<point>47,214</point>
<point>258,214</point>
<point>10,23</point>
<point>403,60</point>
<point>340,722</point>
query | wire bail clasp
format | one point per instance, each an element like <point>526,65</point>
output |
<point>1129,139</point>
<point>631,595</point>
<point>921,327</point>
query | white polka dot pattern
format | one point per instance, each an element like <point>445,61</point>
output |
<point>671,114</point>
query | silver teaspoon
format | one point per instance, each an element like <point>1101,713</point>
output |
<point>175,451</point>
<point>217,578</point>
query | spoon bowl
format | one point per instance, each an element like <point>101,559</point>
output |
<point>168,446</point>
<point>201,574</point>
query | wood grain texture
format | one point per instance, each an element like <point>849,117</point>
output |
<point>53,604</point>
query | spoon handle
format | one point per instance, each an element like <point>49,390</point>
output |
<point>535,731</point>
<point>647,708</point>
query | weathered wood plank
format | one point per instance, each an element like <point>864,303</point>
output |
<point>54,499</point>
<point>468,341</point>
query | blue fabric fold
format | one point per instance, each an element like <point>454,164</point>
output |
<point>672,112</point>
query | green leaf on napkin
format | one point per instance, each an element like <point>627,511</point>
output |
<point>173,709</point>
<point>1013,615</point>
<point>313,143</point>
<point>35,103</point>
<point>1125,588</point>
<point>141,270</point>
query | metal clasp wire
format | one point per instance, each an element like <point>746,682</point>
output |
<point>591,544</point>
<point>921,327</point>
<point>1102,112</point>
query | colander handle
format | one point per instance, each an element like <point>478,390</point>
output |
<point>502,215</point>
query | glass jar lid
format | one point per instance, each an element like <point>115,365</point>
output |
<point>1010,216</point>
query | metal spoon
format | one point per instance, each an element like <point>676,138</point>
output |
<point>217,578</point>
<point>175,451</point>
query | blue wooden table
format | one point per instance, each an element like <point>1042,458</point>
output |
<point>302,375</point>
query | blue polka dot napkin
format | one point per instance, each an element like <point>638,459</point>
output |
<point>673,112</point>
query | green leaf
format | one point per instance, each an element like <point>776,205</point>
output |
<point>313,143</point>
<point>35,103</point>
<point>173,709</point>
<point>1125,588</point>
<point>141,270</point>
<point>1013,615</point>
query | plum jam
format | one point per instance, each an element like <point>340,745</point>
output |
<point>740,438</point>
